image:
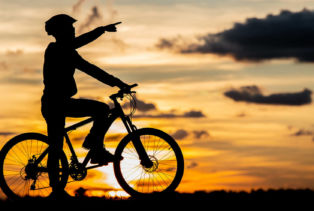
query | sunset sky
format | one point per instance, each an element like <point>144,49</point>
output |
<point>231,80</point>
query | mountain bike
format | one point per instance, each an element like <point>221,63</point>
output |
<point>151,160</point>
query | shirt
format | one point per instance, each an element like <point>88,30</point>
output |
<point>59,68</point>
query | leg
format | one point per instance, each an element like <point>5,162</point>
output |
<point>55,119</point>
<point>94,140</point>
<point>97,110</point>
<point>55,127</point>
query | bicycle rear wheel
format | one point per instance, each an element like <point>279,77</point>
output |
<point>168,163</point>
<point>19,176</point>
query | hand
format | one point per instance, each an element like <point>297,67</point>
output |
<point>111,27</point>
<point>125,87</point>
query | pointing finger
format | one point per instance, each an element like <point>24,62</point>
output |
<point>117,23</point>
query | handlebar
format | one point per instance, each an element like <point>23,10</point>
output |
<point>121,92</point>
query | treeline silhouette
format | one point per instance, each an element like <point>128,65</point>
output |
<point>214,199</point>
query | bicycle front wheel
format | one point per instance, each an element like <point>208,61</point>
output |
<point>20,175</point>
<point>168,163</point>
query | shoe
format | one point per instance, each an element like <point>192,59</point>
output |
<point>103,157</point>
<point>89,141</point>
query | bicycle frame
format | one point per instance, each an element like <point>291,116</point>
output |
<point>147,160</point>
<point>116,112</point>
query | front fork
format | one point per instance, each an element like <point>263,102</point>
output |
<point>145,160</point>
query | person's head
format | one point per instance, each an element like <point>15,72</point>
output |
<point>61,27</point>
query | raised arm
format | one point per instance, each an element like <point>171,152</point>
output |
<point>88,37</point>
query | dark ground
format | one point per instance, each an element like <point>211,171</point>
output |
<point>216,200</point>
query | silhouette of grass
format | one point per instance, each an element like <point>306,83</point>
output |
<point>209,200</point>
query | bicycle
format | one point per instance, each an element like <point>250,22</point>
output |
<point>152,161</point>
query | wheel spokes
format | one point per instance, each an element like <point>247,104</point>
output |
<point>31,182</point>
<point>154,179</point>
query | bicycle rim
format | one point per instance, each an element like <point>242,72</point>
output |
<point>166,172</point>
<point>18,177</point>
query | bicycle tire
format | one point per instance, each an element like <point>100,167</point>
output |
<point>166,173</point>
<point>14,157</point>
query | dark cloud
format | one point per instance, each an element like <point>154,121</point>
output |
<point>176,43</point>
<point>286,35</point>
<point>166,43</point>
<point>159,115</point>
<point>93,17</point>
<point>200,133</point>
<point>192,165</point>
<point>240,115</point>
<point>188,114</point>
<point>197,134</point>
<point>253,94</point>
<point>180,134</point>
<point>21,80</point>
<point>142,106</point>
<point>193,114</point>
<point>145,107</point>
<point>303,132</point>
<point>97,17</point>
<point>6,133</point>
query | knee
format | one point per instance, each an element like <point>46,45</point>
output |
<point>101,110</point>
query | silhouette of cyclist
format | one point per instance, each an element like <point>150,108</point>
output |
<point>61,60</point>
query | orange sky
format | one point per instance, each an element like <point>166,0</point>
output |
<point>244,146</point>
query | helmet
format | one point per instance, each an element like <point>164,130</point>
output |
<point>56,22</point>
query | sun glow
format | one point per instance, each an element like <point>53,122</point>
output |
<point>246,145</point>
<point>119,194</point>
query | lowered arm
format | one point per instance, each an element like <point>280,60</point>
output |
<point>98,73</point>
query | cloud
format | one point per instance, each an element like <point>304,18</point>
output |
<point>16,52</point>
<point>303,132</point>
<point>187,114</point>
<point>76,8</point>
<point>6,133</point>
<point>97,17</point>
<point>192,165</point>
<point>253,94</point>
<point>197,134</point>
<point>166,43</point>
<point>3,65</point>
<point>94,17</point>
<point>110,10</point>
<point>177,43</point>
<point>193,114</point>
<point>286,35</point>
<point>180,134</point>
<point>200,134</point>
<point>240,115</point>
<point>142,106</point>
<point>159,115</point>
